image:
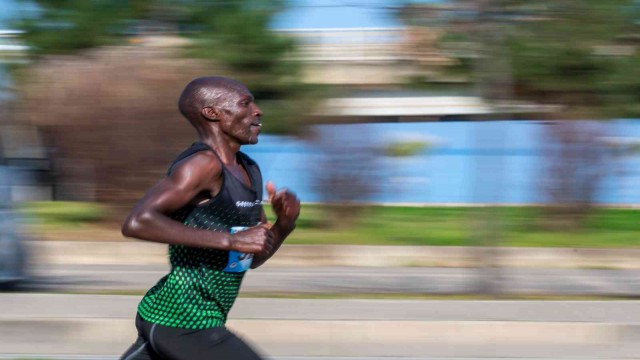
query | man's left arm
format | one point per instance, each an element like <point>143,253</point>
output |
<point>286,207</point>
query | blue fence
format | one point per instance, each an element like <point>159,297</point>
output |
<point>465,162</point>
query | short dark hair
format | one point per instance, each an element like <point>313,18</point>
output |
<point>206,91</point>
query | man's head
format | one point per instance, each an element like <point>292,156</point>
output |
<point>222,103</point>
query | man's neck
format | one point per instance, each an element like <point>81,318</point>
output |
<point>226,152</point>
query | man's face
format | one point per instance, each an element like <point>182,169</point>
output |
<point>240,117</point>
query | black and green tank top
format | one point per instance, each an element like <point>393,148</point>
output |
<point>198,293</point>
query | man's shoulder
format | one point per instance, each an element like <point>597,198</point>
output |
<point>197,163</point>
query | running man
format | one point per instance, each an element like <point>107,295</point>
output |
<point>209,210</point>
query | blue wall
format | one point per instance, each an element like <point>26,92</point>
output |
<point>470,162</point>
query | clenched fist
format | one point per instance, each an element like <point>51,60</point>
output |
<point>286,204</point>
<point>255,240</point>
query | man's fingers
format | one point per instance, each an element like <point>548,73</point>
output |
<point>280,197</point>
<point>271,190</point>
<point>280,194</point>
<point>284,202</point>
<point>278,200</point>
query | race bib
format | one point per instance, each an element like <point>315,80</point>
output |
<point>238,262</point>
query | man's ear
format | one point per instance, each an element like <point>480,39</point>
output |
<point>210,113</point>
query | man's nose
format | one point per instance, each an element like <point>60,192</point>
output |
<point>257,111</point>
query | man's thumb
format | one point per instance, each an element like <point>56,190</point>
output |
<point>271,189</point>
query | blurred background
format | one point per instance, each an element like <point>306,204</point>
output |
<point>475,164</point>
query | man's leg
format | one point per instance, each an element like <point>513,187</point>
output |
<point>206,344</point>
<point>140,350</point>
<point>169,343</point>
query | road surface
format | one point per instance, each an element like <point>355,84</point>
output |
<point>354,280</point>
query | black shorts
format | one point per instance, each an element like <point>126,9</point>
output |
<point>158,342</point>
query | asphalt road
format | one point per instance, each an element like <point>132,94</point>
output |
<point>354,280</point>
<point>101,326</point>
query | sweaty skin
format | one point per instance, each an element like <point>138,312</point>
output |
<point>224,114</point>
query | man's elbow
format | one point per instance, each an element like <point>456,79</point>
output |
<point>132,227</point>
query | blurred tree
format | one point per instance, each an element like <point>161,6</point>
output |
<point>346,173</point>
<point>110,118</point>
<point>578,159</point>
<point>582,54</point>
<point>66,26</point>
<point>235,34</point>
<point>105,76</point>
<point>231,33</point>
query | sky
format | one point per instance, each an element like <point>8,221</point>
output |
<point>322,14</point>
<point>302,14</point>
<point>9,9</point>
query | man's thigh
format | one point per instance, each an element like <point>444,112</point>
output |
<point>140,350</point>
<point>206,344</point>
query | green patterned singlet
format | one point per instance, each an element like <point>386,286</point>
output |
<point>197,293</point>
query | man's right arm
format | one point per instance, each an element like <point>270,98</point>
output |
<point>149,219</point>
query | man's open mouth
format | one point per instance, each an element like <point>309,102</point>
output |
<point>256,124</point>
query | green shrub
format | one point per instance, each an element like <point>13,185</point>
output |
<point>405,148</point>
<point>63,212</point>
